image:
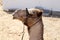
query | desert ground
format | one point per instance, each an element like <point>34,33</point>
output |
<point>12,29</point>
<point>51,27</point>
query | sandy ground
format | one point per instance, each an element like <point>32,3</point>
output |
<point>11,29</point>
<point>51,27</point>
<point>0,2</point>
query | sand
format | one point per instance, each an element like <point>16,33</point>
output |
<point>12,29</point>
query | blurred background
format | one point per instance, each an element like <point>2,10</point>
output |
<point>51,14</point>
<point>50,7</point>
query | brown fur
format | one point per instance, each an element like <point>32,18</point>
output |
<point>21,15</point>
<point>35,31</point>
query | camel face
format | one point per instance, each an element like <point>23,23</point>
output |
<point>33,15</point>
<point>20,14</point>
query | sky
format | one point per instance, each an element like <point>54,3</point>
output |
<point>49,4</point>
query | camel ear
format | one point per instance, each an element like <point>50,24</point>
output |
<point>39,14</point>
<point>27,11</point>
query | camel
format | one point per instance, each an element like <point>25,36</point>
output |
<point>32,18</point>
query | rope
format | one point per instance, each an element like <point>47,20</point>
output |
<point>23,33</point>
<point>36,22</point>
